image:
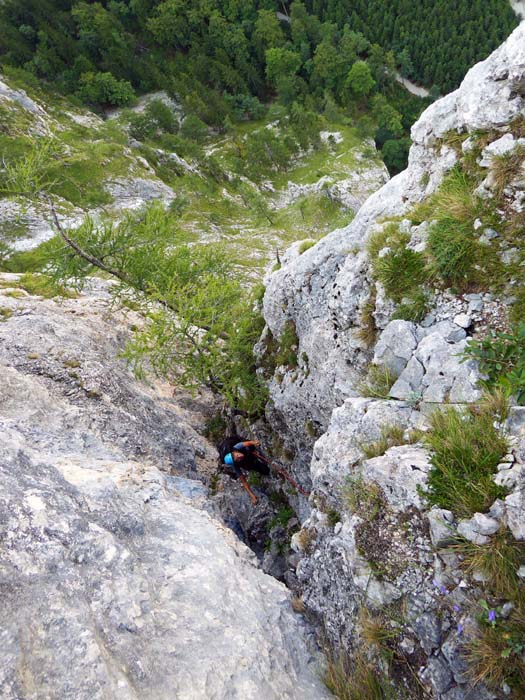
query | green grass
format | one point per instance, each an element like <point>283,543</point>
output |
<point>43,286</point>
<point>364,498</point>
<point>378,382</point>
<point>465,451</point>
<point>356,679</point>
<point>5,313</point>
<point>391,435</point>
<point>498,560</point>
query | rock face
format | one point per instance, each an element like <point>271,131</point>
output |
<point>116,582</point>
<point>370,547</point>
<point>323,291</point>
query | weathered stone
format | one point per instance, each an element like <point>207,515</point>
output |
<point>515,508</point>
<point>427,628</point>
<point>497,148</point>
<point>439,674</point>
<point>396,345</point>
<point>442,531</point>
<point>116,583</point>
<point>463,320</point>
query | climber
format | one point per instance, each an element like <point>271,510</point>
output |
<point>236,455</point>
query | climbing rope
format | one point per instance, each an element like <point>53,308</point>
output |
<point>282,473</point>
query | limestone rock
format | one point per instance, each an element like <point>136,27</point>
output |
<point>116,582</point>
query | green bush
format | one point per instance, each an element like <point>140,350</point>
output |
<point>465,451</point>
<point>501,358</point>
<point>105,90</point>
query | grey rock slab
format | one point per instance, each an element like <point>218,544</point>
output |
<point>115,582</point>
<point>427,628</point>
<point>439,674</point>
<point>396,346</point>
<point>442,530</point>
<point>401,472</point>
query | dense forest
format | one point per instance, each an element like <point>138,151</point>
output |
<point>223,59</point>
<point>435,41</point>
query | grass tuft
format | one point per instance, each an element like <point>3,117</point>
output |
<point>356,680</point>
<point>364,498</point>
<point>466,449</point>
<point>498,560</point>
<point>378,382</point>
<point>44,286</point>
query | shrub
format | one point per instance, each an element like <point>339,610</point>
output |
<point>104,89</point>
<point>193,129</point>
<point>501,358</point>
<point>466,449</point>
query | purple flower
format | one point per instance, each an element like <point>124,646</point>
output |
<point>460,629</point>
<point>492,616</point>
<point>456,608</point>
<point>440,587</point>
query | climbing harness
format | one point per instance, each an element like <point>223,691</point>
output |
<point>284,474</point>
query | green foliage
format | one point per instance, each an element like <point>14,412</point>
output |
<point>357,680</point>
<point>43,286</point>
<point>5,313</point>
<point>194,129</point>
<point>395,154</point>
<point>501,358</point>
<point>282,517</point>
<point>105,90</point>
<point>306,245</point>
<point>29,174</point>
<point>364,498</point>
<point>414,309</point>
<point>401,271</point>
<point>359,80</point>
<point>378,382</point>
<point>202,325</point>
<point>465,451</point>
<point>391,435</point>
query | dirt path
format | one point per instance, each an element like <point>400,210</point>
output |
<point>412,87</point>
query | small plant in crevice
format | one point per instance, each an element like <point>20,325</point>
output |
<point>501,358</point>
<point>378,382</point>
<point>368,330</point>
<point>391,435</point>
<point>465,451</point>
<point>357,679</point>
<point>496,654</point>
<point>498,561</point>
<point>364,498</point>
<point>413,308</point>
<point>215,427</point>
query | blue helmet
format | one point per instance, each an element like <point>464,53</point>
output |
<point>228,459</point>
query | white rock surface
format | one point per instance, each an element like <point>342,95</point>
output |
<point>115,582</point>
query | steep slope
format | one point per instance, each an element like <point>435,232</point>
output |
<point>105,168</point>
<point>376,318</point>
<point>116,582</point>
